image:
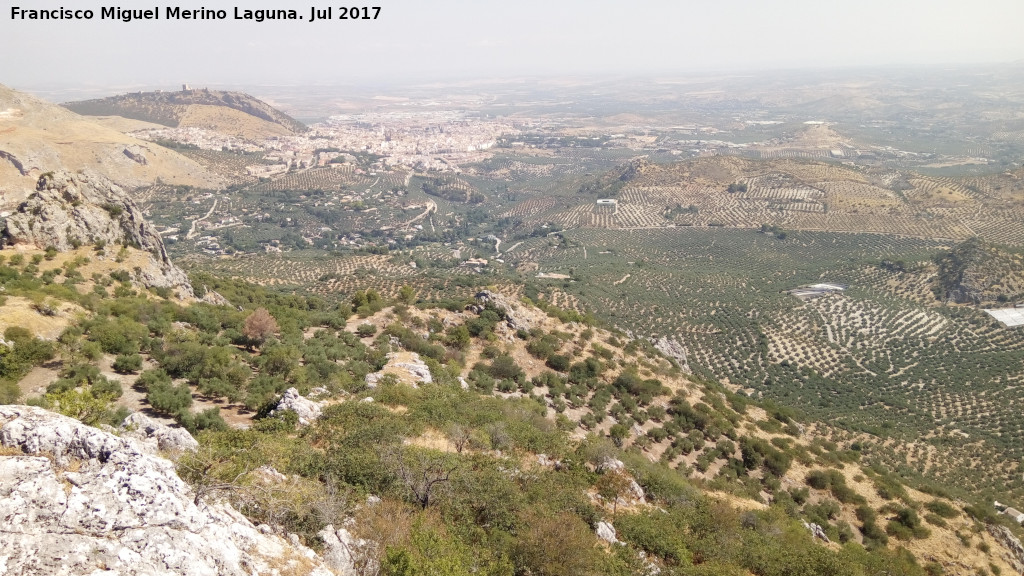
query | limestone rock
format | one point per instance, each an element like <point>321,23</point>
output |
<point>346,554</point>
<point>417,369</point>
<point>514,316</point>
<point>673,349</point>
<point>136,154</point>
<point>817,531</point>
<point>215,298</point>
<point>1014,550</point>
<point>318,392</point>
<point>373,379</point>
<point>407,367</point>
<point>636,493</point>
<point>157,436</point>
<point>67,209</point>
<point>606,532</point>
<point>610,464</point>
<point>82,499</point>
<point>304,408</point>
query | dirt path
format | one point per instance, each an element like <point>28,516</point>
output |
<point>510,248</point>
<point>192,231</point>
<point>431,206</point>
<point>617,282</point>
<point>35,382</point>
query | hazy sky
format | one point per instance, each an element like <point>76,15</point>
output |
<point>452,39</point>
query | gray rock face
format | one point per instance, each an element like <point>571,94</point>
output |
<point>77,208</point>
<point>414,371</point>
<point>817,531</point>
<point>304,408</point>
<point>136,154</point>
<point>606,532</point>
<point>154,435</point>
<point>83,501</point>
<point>610,465</point>
<point>1014,553</point>
<point>673,349</point>
<point>513,317</point>
<point>346,554</point>
<point>417,369</point>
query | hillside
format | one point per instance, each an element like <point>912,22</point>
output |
<point>38,137</point>
<point>231,113</point>
<point>733,365</point>
<point>490,432</point>
<point>979,272</point>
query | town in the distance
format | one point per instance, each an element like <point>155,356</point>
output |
<point>759,324</point>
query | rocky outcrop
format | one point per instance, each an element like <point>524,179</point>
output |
<point>1014,550</point>
<point>83,501</point>
<point>606,532</point>
<point>156,436</point>
<point>514,316</point>
<point>407,367</point>
<point>817,531</point>
<point>73,209</point>
<point>136,154</point>
<point>346,554</point>
<point>306,409</point>
<point>675,350</point>
<point>14,161</point>
<point>610,464</point>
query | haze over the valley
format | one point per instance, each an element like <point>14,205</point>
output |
<point>668,288</point>
<point>445,40</point>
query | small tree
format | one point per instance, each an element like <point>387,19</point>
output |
<point>407,295</point>
<point>459,437</point>
<point>127,363</point>
<point>612,485</point>
<point>420,471</point>
<point>259,326</point>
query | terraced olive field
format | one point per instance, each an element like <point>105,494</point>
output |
<point>931,388</point>
<point>881,360</point>
<point>727,191</point>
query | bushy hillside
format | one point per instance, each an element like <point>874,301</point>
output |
<point>486,435</point>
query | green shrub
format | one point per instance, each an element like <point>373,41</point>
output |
<point>942,509</point>
<point>168,398</point>
<point>655,533</point>
<point>127,363</point>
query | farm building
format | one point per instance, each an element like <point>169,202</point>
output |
<point>816,290</point>
<point>1016,515</point>
<point>1010,317</point>
<point>606,206</point>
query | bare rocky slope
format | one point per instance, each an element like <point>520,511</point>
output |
<point>78,500</point>
<point>68,210</point>
<point>38,137</point>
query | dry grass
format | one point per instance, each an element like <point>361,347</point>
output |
<point>21,312</point>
